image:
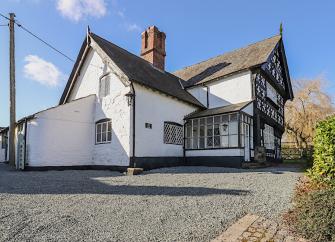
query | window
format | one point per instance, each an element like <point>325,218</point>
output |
<point>173,133</point>
<point>103,131</point>
<point>220,131</point>
<point>104,87</point>
<point>148,125</point>
<point>269,138</point>
<point>271,93</point>
<point>3,141</point>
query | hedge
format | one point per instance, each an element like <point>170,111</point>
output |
<point>323,169</point>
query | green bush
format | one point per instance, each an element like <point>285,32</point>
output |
<point>315,215</point>
<point>323,169</point>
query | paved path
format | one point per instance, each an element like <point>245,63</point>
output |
<point>171,204</point>
<point>255,228</point>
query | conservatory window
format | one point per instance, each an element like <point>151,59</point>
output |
<point>220,131</point>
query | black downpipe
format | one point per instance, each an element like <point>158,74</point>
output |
<point>133,158</point>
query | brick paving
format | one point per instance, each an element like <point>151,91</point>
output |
<point>260,230</point>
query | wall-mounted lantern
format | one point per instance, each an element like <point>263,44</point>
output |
<point>130,97</point>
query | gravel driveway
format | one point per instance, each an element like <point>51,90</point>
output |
<point>170,204</point>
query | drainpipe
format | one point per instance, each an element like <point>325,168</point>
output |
<point>133,158</point>
<point>25,141</point>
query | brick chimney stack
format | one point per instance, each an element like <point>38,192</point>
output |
<point>153,47</point>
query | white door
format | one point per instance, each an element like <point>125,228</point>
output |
<point>246,142</point>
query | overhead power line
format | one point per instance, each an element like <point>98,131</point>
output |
<point>39,38</point>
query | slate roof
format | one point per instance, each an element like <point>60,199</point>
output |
<point>143,72</point>
<point>220,110</point>
<point>228,63</point>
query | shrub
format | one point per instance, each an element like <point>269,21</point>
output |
<point>323,169</point>
<point>314,215</point>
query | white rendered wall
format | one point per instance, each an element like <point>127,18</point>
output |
<point>87,82</point>
<point>249,109</point>
<point>215,152</point>
<point>200,93</point>
<point>62,136</point>
<point>115,107</point>
<point>155,108</point>
<point>229,90</point>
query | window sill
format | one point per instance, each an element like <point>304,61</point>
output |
<point>103,143</point>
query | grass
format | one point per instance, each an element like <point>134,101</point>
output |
<point>313,214</point>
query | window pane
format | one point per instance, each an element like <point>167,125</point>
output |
<point>109,126</point>
<point>103,137</point>
<point>98,138</point>
<point>98,128</point>
<point>195,143</point>
<point>107,86</point>
<point>209,142</point>
<point>104,127</point>
<point>209,130</point>
<point>202,121</point>
<point>224,141</point>
<point>216,141</point>
<point>233,140</point>
<point>225,119</point>
<point>209,120</point>
<point>201,143</point>
<point>202,131</point>
<point>233,129</point>
<point>188,143</point>
<point>224,129</point>
<point>217,119</point>
<point>242,140</point>
<point>216,129</point>
<point>109,136</point>
<point>188,130</point>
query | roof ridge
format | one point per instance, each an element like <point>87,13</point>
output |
<point>234,50</point>
<point>140,58</point>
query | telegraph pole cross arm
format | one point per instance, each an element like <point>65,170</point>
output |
<point>12,92</point>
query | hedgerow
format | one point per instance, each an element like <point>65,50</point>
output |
<point>323,169</point>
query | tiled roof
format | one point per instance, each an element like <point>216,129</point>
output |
<point>220,110</point>
<point>234,61</point>
<point>143,72</point>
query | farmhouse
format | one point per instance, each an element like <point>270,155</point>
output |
<point>120,110</point>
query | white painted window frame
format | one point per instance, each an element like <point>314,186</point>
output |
<point>99,131</point>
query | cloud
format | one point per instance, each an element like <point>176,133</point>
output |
<point>133,28</point>
<point>75,10</point>
<point>42,71</point>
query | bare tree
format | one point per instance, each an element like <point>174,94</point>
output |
<point>310,105</point>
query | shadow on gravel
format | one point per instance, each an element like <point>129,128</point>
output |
<point>93,182</point>
<point>280,169</point>
<point>95,188</point>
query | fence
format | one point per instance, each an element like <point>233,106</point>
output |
<point>289,151</point>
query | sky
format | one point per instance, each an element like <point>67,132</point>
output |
<point>196,30</point>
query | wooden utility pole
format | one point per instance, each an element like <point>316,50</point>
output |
<point>12,108</point>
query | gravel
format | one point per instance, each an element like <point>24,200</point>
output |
<point>170,204</point>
